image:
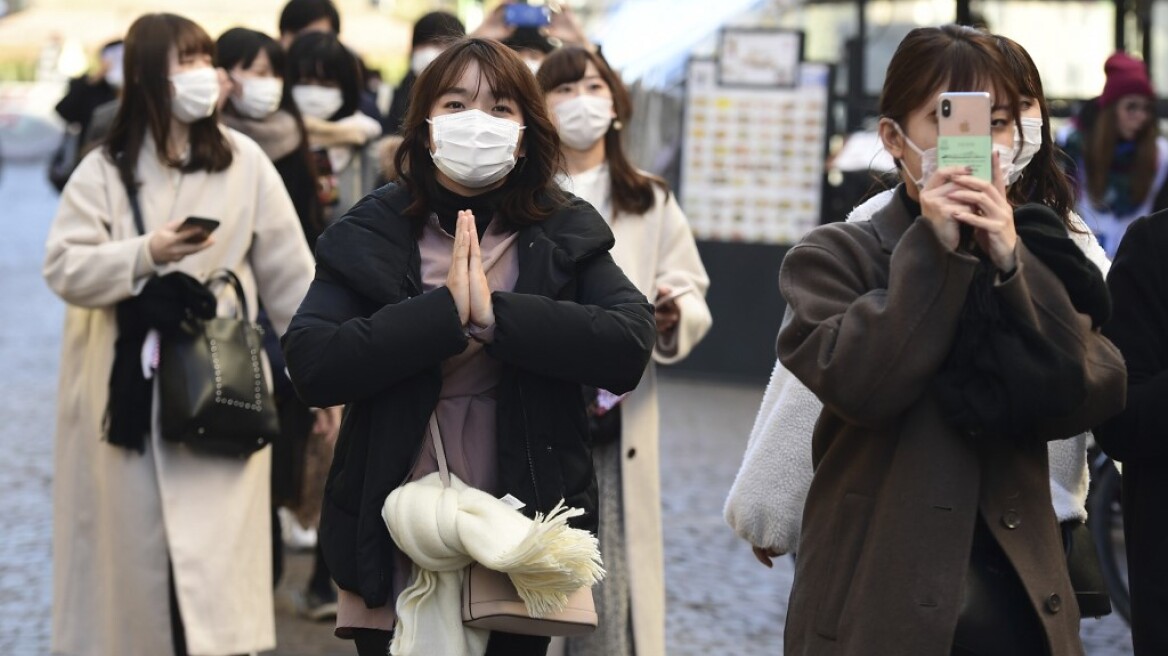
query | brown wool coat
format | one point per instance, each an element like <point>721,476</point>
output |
<point>890,514</point>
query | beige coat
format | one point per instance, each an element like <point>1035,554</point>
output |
<point>120,515</point>
<point>656,248</point>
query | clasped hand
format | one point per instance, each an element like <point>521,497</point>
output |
<point>953,197</point>
<point>466,280</point>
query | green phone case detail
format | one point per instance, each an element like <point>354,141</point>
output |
<point>974,152</point>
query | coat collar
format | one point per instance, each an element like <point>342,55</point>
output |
<point>892,221</point>
<point>374,251</point>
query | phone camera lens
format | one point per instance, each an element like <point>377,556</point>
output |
<point>945,108</point>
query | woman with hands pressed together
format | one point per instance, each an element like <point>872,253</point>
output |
<point>949,338</point>
<point>475,290</point>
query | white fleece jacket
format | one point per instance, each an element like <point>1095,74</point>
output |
<point>765,503</point>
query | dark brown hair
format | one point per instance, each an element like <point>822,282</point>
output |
<point>530,193</point>
<point>946,58</point>
<point>1043,180</point>
<point>147,96</point>
<point>632,190</point>
<point>1099,151</point>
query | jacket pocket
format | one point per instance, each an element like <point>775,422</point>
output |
<point>848,534</point>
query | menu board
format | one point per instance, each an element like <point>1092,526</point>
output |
<point>753,159</point>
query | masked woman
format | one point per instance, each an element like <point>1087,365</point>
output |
<point>140,520</point>
<point>474,290</point>
<point>656,249</point>
<point>949,338</point>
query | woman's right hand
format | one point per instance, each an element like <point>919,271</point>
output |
<point>939,209</point>
<point>170,243</point>
<point>764,555</point>
<point>458,278</point>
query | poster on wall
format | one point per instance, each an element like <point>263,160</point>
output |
<point>752,158</point>
<point>759,57</point>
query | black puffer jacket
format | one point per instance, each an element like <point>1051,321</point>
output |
<point>367,336</point>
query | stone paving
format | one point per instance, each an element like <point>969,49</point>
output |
<point>721,601</point>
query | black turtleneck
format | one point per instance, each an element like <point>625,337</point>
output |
<point>447,204</point>
<point>913,207</point>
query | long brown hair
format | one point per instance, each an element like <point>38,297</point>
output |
<point>1043,180</point>
<point>530,193</point>
<point>632,190</point>
<point>147,96</point>
<point>946,58</point>
<point>1100,152</point>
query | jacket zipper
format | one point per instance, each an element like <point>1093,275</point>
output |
<point>527,445</point>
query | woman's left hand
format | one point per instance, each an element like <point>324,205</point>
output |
<point>482,313</point>
<point>990,214</point>
<point>666,314</point>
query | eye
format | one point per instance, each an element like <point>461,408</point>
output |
<point>596,86</point>
<point>453,104</point>
<point>503,109</point>
<point>564,88</point>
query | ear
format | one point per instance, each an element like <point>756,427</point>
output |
<point>891,138</point>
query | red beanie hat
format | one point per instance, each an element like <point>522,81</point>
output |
<point>1126,75</point>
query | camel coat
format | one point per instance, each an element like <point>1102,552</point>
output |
<point>120,516</point>
<point>655,248</point>
<point>890,514</point>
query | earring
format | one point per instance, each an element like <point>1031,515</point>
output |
<point>617,125</point>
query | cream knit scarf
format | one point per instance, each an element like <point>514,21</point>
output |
<point>445,529</point>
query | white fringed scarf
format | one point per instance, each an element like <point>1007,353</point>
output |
<point>445,529</point>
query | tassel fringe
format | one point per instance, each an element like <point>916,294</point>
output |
<point>552,561</point>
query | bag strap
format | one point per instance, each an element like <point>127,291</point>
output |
<point>228,276</point>
<point>439,450</point>
<point>132,194</point>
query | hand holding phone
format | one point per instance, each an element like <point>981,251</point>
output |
<point>661,301</point>
<point>203,228</point>
<point>963,132</point>
<point>525,15</point>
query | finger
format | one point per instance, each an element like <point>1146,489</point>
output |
<point>944,175</point>
<point>996,174</point>
<point>989,225</point>
<point>761,555</point>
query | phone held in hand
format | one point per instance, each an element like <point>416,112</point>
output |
<point>672,295</point>
<point>206,227</point>
<point>525,15</point>
<point>963,132</point>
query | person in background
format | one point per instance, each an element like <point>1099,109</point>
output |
<point>160,549</point>
<point>304,16</point>
<point>475,291</point>
<point>324,80</point>
<point>1120,161</point>
<point>258,107</point>
<point>85,94</point>
<point>1135,437</point>
<point>949,338</point>
<point>656,249</point>
<point>433,32</point>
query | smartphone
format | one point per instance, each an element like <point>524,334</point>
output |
<point>206,226</point>
<point>677,293</point>
<point>963,132</point>
<point>525,15</point>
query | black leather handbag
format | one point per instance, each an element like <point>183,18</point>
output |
<point>212,384</point>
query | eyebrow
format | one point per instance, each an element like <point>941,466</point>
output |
<point>459,91</point>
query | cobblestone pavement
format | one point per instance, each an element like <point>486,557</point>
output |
<point>721,601</point>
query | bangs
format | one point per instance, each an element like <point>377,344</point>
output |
<point>562,67</point>
<point>190,39</point>
<point>320,56</point>
<point>972,70</point>
<point>502,80</point>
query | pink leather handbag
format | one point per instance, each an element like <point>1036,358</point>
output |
<point>489,599</point>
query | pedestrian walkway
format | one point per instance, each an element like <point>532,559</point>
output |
<point>721,601</point>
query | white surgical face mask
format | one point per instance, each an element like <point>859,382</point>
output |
<point>422,58</point>
<point>474,148</point>
<point>1027,143</point>
<point>583,120</point>
<point>195,94</point>
<point>1006,165</point>
<point>258,97</point>
<point>317,101</point>
<point>928,159</point>
<point>115,76</point>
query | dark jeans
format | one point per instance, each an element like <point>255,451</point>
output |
<point>371,642</point>
<point>1146,532</point>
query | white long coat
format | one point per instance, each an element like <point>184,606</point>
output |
<point>655,248</point>
<point>121,516</point>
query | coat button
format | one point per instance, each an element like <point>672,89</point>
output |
<point>1054,603</point>
<point>1011,519</point>
<point>631,453</point>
